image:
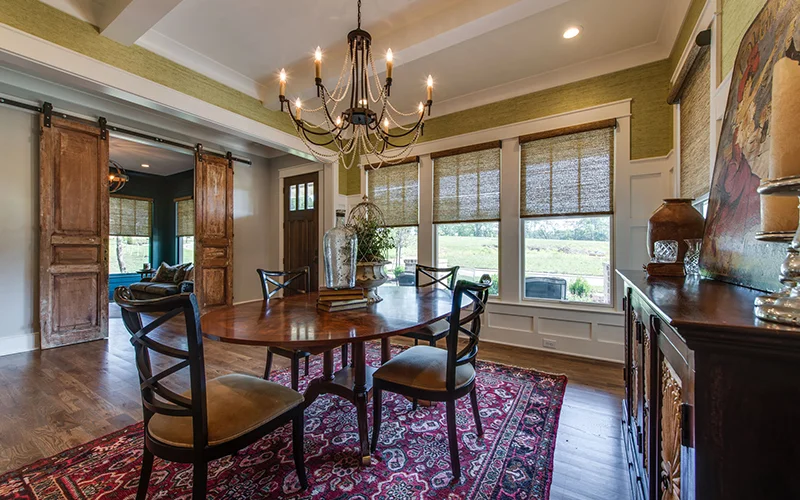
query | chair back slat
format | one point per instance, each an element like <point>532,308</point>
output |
<point>465,322</point>
<point>273,282</point>
<point>156,397</point>
<point>434,276</point>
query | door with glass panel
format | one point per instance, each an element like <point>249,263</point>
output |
<point>301,224</point>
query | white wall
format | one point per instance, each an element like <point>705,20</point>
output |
<point>19,225</point>
<point>255,227</point>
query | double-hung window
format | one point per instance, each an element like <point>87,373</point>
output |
<point>130,231</point>
<point>466,210</point>
<point>184,210</point>
<point>566,202</point>
<point>395,190</point>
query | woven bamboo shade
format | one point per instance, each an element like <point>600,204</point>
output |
<point>185,215</point>
<point>569,174</point>
<point>395,190</point>
<point>466,184</point>
<point>695,108</point>
<point>130,216</point>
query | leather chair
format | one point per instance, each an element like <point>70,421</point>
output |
<point>427,276</point>
<point>290,282</point>
<point>214,418</point>
<point>426,372</point>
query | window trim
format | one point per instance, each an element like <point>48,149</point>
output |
<point>590,305</point>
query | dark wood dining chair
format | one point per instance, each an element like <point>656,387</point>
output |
<point>290,282</point>
<point>427,276</point>
<point>214,418</point>
<point>430,373</point>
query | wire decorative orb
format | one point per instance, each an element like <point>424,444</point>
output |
<point>374,238</point>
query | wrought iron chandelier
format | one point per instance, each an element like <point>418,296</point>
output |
<point>360,129</point>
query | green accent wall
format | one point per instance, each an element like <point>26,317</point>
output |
<point>693,14</point>
<point>51,24</point>
<point>737,16</point>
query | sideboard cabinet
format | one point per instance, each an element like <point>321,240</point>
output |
<point>712,394</point>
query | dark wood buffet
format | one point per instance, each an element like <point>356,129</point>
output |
<point>712,400</point>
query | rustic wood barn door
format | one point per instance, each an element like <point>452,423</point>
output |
<point>213,229</point>
<point>73,218</point>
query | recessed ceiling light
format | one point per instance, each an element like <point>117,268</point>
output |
<point>145,165</point>
<point>572,32</point>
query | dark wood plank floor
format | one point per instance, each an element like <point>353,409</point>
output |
<point>53,400</point>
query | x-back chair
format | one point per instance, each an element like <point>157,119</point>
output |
<point>290,282</point>
<point>214,418</point>
<point>426,372</point>
<point>427,276</point>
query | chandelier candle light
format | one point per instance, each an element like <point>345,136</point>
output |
<point>365,126</point>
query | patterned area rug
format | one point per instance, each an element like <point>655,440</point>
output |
<point>514,459</point>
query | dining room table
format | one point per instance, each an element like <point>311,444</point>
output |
<point>295,322</point>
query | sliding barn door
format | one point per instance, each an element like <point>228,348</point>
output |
<point>73,252</point>
<point>213,230</point>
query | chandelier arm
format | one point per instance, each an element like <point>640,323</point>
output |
<point>414,128</point>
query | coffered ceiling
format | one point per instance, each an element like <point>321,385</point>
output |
<point>478,51</point>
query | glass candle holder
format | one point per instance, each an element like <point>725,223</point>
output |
<point>691,261</point>
<point>666,251</point>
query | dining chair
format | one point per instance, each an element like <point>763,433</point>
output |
<point>290,282</point>
<point>426,276</point>
<point>427,372</point>
<point>214,418</point>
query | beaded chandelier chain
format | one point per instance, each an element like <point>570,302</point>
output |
<point>370,125</point>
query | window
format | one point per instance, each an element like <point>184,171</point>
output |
<point>474,246</point>
<point>395,190</point>
<point>694,95</point>
<point>301,197</point>
<point>466,210</point>
<point>568,259</point>
<point>130,229</point>
<point>184,210</point>
<point>567,200</point>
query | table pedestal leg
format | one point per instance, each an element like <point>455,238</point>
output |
<point>386,350</point>
<point>361,395</point>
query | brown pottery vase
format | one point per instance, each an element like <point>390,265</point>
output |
<point>676,219</point>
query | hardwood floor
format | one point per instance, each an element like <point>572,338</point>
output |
<point>57,399</point>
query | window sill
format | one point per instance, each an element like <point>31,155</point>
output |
<point>561,306</point>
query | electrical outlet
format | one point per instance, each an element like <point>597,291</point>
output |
<point>549,343</point>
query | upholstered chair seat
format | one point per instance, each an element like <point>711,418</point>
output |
<point>423,367</point>
<point>237,404</point>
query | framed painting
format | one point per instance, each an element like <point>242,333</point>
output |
<point>730,251</point>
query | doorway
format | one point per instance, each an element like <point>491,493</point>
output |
<point>151,218</point>
<point>301,224</point>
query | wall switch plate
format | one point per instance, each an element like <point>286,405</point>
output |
<point>549,343</point>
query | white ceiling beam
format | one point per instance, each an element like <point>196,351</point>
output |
<point>125,21</point>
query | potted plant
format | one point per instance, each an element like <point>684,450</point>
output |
<point>374,241</point>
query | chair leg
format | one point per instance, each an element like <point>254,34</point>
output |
<point>144,476</point>
<point>377,408</point>
<point>295,372</point>
<point>297,449</point>
<point>414,404</point>
<point>473,396</point>
<point>307,359</point>
<point>416,341</point>
<point>344,356</point>
<point>432,342</point>
<point>199,481</point>
<point>452,436</point>
<point>269,365</point>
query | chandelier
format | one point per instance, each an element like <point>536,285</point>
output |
<point>356,118</point>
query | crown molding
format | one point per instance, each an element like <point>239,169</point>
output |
<point>165,46</point>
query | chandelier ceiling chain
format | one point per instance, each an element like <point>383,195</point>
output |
<point>359,130</point>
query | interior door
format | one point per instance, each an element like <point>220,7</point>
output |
<point>301,224</point>
<point>213,195</point>
<point>73,232</point>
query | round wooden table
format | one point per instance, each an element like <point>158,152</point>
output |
<point>296,323</point>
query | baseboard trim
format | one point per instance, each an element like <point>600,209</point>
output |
<point>561,354</point>
<point>21,342</point>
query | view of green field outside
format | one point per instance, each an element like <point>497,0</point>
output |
<point>127,254</point>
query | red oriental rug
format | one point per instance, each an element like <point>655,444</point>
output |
<point>513,460</point>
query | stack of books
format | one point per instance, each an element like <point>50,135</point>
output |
<point>332,300</point>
